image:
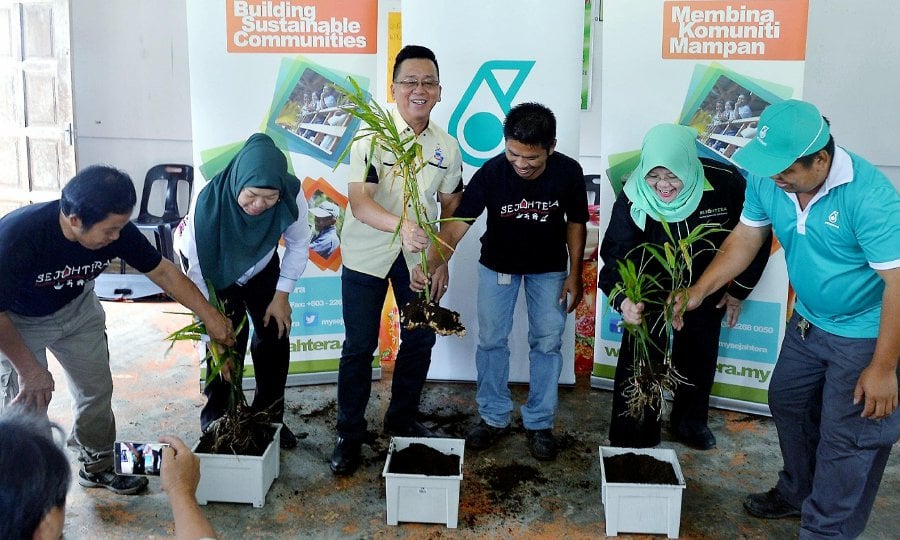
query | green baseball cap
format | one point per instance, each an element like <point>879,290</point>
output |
<point>786,131</point>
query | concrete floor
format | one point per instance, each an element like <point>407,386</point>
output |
<point>505,493</point>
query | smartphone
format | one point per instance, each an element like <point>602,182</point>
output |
<point>138,458</point>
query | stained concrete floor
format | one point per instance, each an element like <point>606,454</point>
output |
<point>505,493</point>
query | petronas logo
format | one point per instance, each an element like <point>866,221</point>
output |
<point>477,122</point>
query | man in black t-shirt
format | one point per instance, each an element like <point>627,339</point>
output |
<point>536,213</point>
<point>50,254</point>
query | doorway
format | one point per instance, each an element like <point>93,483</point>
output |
<point>37,150</point>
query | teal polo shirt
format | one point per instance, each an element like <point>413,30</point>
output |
<point>833,247</point>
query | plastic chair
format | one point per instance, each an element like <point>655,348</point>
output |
<point>175,182</point>
<point>616,183</point>
<point>592,186</point>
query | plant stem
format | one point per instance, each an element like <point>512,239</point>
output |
<point>650,382</point>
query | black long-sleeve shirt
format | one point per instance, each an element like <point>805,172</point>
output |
<point>722,205</point>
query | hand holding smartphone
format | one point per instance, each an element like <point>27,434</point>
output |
<point>138,458</point>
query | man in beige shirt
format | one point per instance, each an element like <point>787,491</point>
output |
<point>373,258</point>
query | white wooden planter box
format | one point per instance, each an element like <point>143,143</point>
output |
<point>642,508</point>
<point>239,479</point>
<point>420,498</point>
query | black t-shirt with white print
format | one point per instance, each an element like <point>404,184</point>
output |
<point>526,219</point>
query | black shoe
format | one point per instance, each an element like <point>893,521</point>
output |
<point>485,435</point>
<point>770,505</point>
<point>415,429</point>
<point>698,437</point>
<point>288,439</point>
<point>542,444</point>
<point>345,458</point>
<point>123,485</point>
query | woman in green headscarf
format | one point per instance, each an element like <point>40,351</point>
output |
<point>673,185</point>
<point>230,238</point>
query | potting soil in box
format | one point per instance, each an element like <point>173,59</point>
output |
<point>642,507</point>
<point>420,497</point>
<point>239,479</point>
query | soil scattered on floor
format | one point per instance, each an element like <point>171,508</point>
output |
<point>418,458</point>
<point>328,410</point>
<point>744,423</point>
<point>493,491</point>
<point>505,482</point>
<point>631,468</point>
<point>454,424</point>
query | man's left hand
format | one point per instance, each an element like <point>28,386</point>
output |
<point>879,388</point>
<point>572,291</point>
<point>438,281</point>
<point>219,329</point>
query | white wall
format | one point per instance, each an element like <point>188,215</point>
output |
<point>852,75</point>
<point>132,95</point>
<point>131,84</point>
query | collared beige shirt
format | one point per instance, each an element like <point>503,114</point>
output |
<point>370,251</point>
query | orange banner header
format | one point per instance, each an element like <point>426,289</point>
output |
<point>302,26</point>
<point>748,30</point>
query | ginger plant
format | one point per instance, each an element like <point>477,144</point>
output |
<point>240,430</point>
<point>654,374</point>
<point>379,127</point>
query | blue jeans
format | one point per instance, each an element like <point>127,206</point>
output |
<point>363,300</point>
<point>833,458</point>
<point>546,322</point>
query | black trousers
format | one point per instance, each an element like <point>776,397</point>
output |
<point>364,296</point>
<point>270,354</point>
<point>695,353</point>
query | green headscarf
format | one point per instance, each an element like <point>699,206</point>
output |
<point>229,240</point>
<point>673,147</point>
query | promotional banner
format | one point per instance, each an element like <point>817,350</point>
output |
<point>713,65</point>
<point>264,66</point>
<point>491,57</point>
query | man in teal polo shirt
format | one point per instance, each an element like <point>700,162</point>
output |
<point>833,393</point>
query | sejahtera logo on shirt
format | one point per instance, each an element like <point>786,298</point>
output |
<point>70,276</point>
<point>833,220</point>
<point>713,212</point>
<point>538,211</point>
<point>438,157</point>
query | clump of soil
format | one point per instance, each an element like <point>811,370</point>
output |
<point>418,458</point>
<point>242,432</point>
<point>631,468</point>
<point>446,421</point>
<point>501,490</point>
<point>504,482</point>
<point>325,411</point>
<point>421,313</point>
